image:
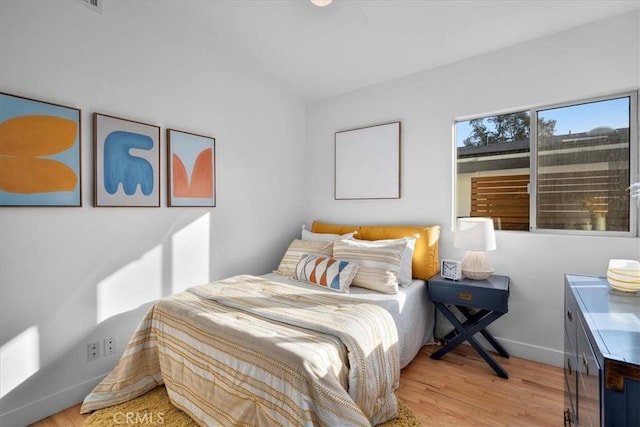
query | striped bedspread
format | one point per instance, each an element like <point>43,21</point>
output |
<point>249,351</point>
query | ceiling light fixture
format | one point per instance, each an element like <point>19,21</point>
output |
<point>321,3</point>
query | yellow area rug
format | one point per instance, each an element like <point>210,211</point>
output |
<point>154,409</point>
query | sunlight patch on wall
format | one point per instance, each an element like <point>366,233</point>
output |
<point>19,359</point>
<point>137,283</point>
<point>190,255</point>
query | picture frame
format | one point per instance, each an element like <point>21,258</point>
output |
<point>126,162</point>
<point>40,153</point>
<point>190,169</point>
<point>367,162</point>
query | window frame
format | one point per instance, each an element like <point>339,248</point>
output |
<point>634,162</point>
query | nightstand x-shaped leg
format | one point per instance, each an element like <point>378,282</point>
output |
<point>475,323</point>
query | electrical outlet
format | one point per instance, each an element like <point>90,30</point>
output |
<point>109,346</point>
<point>93,351</point>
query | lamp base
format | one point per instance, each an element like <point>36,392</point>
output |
<point>476,266</point>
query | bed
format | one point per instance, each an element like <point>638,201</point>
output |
<point>410,308</point>
<point>271,350</point>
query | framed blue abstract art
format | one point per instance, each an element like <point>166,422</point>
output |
<point>191,169</point>
<point>126,162</point>
<point>39,153</point>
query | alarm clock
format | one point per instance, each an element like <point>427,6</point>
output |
<point>451,269</point>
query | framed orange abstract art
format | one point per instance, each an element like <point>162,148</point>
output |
<point>191,169</point>
<point>39,153</point>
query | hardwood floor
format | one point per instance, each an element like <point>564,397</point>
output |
<point>462,390</point>
<point>458,390</point>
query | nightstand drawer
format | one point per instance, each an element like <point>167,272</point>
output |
<point>485,294</point>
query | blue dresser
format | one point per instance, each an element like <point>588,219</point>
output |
<point>602,354</point>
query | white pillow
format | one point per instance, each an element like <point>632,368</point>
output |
<point>310,236</point>
<point>405,276</point>
<point>379,262</point>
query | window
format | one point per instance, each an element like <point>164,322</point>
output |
<point>565,167</point>
<point>493,169</point>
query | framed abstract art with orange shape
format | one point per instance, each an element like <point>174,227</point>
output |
<point>39,153</point>
<point>191,169</point>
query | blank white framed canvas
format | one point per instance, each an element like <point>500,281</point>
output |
<point>367,162</point>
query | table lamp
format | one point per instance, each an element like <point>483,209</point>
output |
<point>476,236</point>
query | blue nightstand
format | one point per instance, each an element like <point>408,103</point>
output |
<point>490,297</point>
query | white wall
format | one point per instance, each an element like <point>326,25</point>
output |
<point>62,270</point>
<point>597,59</point>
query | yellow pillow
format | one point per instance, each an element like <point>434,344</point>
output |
<point>425,255</point>
<point>320,227</point>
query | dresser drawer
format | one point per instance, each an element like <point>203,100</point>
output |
<point>571,378</point>
<point>469,295</point>
<point>588,381</point>
<point>570,319</point>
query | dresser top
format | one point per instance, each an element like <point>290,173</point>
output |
<point>612,316</point>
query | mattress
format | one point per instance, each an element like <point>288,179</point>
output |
<point>411,309</point>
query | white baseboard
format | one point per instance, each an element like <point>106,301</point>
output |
<point>536,353</point>
<point>523,350</point>
<point>46,406</point>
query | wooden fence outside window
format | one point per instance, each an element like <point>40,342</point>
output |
<point>585,200</point>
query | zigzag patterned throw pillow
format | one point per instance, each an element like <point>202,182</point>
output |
<point>329,273</point>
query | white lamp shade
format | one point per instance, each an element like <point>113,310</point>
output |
<point>321,3</point>
<point>475,234</point>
